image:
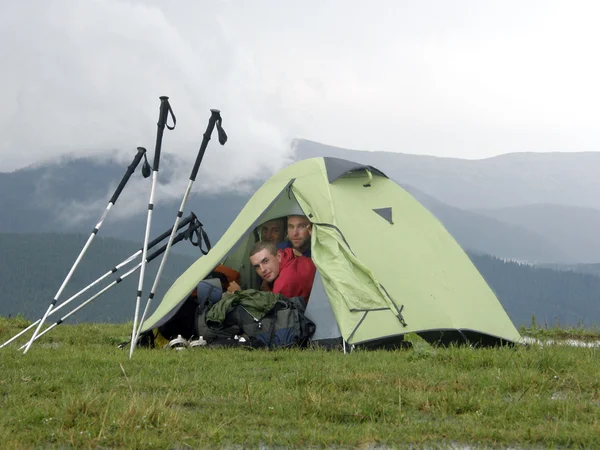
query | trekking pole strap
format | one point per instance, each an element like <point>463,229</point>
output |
<point>201,237</point>
<point>221,131</point>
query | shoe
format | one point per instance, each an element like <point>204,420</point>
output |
<point>200,342</point>
<point>179,343</point>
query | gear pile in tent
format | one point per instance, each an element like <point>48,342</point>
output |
<point>385,266</point>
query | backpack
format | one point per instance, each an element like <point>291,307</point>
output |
<point>285,325</point>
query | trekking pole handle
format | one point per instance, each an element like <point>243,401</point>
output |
<point>163,116</point>
<point>215,119</point>
<point>177,239</point>
<point>136,160</point>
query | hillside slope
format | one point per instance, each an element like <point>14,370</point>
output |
<point>33,267</point>
<point>507,180</point>
<point>572,229</point>
<point>64,198</point>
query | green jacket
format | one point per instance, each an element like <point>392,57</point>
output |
<point>257,303</point>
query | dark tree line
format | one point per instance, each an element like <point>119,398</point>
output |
<point>33,266</point>
<point>552,296</point>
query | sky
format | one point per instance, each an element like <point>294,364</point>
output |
<point>465,79</point>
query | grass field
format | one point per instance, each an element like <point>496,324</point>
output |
<point>75,388</point>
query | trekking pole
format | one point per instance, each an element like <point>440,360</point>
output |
<point>136,160</point>
<point>163,115</point>
<point>183,235</point>
<point>182,224</point>
<point>215,119</point>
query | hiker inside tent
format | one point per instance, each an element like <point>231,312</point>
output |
<point>299,231</point>
<point>273,230</point>
<point>282,271</point>
<point>406,275</point>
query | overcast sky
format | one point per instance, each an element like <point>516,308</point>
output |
<point>468,79</point>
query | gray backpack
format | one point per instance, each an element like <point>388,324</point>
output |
<point>285,325</point>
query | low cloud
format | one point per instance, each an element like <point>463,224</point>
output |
<point>85,80</point>
<point>471,80</point>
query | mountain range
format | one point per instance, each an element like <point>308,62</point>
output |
<point>512,179</point>
<point>534,209</point>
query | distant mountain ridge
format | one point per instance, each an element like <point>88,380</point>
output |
<point>488,235</point>
<point>39,198</point>
<point>542,204</point>
<point>512,179</point>
<point>43,198</point>
<point>574,229</point>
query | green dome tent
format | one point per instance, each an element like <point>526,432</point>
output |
<point>385,265</point>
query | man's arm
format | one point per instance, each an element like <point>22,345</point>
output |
<point>233,287</point>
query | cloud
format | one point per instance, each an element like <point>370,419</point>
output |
<point>85,78</point>
<point>469,79</point>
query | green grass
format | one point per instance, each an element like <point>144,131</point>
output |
<point>556,332</point>
<point>74,388</point>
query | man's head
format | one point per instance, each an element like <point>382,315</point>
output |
<point>299,231</point>
<point>273,231</point>
<point>265,259</point>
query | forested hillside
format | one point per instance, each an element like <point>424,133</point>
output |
<point>593,269</point>
<point>34,265</point>
<point>554,297</point>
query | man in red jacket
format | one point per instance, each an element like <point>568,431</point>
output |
<point>282,271</point>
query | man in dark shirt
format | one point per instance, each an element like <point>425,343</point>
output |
<point>299,231</point>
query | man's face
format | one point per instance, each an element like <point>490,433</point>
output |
<point>272,231</point>
<point>299,231</point>
<point>266,265</point>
